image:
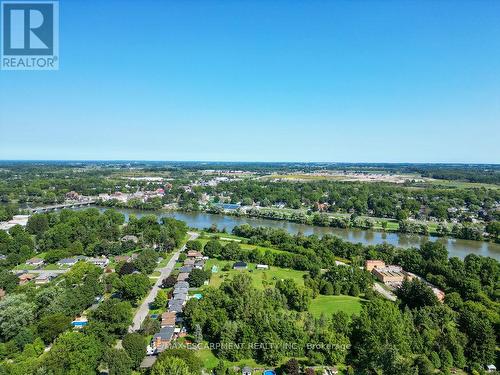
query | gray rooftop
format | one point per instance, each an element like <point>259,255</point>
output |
<point>181,284</point>
<point>181,290</point>
<point>165,333</point>
<point>175,305</point>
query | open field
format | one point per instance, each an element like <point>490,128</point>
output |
<point>349,176</point>
<point>330,304</point>
<point>260,278</point>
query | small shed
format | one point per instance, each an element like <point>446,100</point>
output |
<point>240,266</point>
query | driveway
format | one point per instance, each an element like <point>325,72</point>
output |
<point>387,294</point>
<point>143,310</point>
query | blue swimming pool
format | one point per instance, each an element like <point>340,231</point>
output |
<point>269,372</point>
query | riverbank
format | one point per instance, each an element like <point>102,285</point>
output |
<point>200,220</point>
<point>462,231</point>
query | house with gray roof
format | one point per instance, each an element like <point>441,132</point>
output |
<point>181,297</point>
<point>181,284</point>
<point>175,305</point>
<point>180,290</point>
<point>162,339</point>
<point>185,269</point>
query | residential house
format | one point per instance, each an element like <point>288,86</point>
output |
<point>72,195</point>
<point>182,276</point>
<point>3,257</point>
<point>189,262</point>
<point>240,266</point>
<point>101,262</point>
<point>130,237</point>
<point>70,262</point>
<point>199,264</point>
<point>246,371</point>
<point>162,339</point>
<point>194,254</point>
<point>168,319</point>
<point>181,297</point>
<point>181,284</point>
<point>123,258</point>
<point>26,278</point>
<point>45,278</point>
<point>175,305</point>
<point>185,269</point>
<point>36,262</point>
<point>371,264</point>
<point>180,290</point>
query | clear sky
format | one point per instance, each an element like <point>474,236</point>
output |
<point>347,81</point>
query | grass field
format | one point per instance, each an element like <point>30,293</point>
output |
<point>260,278</point>
<point>225,239</point>
<point>330,304</point>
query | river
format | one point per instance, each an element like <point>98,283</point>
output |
<point>456,247</point>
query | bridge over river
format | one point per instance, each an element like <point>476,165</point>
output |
<point>56,207</point>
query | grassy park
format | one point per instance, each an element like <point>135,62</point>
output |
<point>260,278</point>
<point>330,304</point>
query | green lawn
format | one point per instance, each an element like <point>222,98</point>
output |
<point>224,239</point>
<point>210,361</point>
<point>260,278</point>
<point>52,267</point>
<point>331,304</point>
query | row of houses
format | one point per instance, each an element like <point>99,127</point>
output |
<point>69,262</point>
<point>171,320</point>
<point>40,279</point>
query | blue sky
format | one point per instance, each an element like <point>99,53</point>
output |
<point>351,81</point>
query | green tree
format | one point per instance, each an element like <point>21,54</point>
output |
<point>146,261</point>
<point>475,323</point>
<point>114,314</point>
<point>74,353</point>
<point>170,366</point>
<point>198,334</point>
<point>8,281</point>
<point>135,346</point>
<point>118,362</point>
<point>51,326</point>
<point>134,287</point>
<point>212,249</point>
<point>160,300</point>
<point>197,277</point>
<point>37,224</point>
<point>194,245</point>
<point>16,312</point>
<point>379,330</point>
<point>415,294</point>
<point>291,367</point>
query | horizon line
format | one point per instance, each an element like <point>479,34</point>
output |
<point>243,161</point>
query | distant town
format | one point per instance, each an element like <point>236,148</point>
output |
<point>250,270</point>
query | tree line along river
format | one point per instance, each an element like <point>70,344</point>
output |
<point>456,247</point>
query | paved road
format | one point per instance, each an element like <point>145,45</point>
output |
<point>389,295</point>
<point>142,311</point>
<point>43,271</point>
